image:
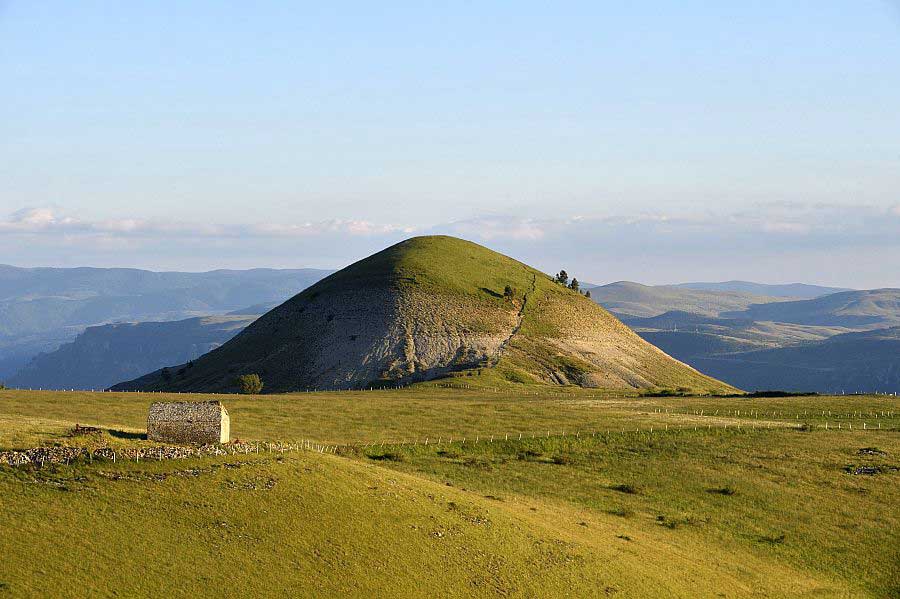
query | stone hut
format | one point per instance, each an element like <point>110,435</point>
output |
<point>188,422</point>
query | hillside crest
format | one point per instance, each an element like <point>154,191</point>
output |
<point>432,307</point>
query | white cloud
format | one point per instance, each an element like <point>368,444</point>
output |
<point>777,218</point>
<point>662,246</point>
<point>350,227</point>
<point>785,228</point>
<point>51,220</point>
<point>602,246</point>
<point>35,219</point>
<point>499,227</point>
<point>783,221</point>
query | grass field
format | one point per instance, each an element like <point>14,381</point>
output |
<point>601,507</point>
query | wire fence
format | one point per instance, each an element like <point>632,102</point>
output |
<point>41,456</point>
<point>519,393</point>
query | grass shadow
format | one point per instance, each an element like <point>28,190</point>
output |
<point>491,292</point>
<point>126,434</point>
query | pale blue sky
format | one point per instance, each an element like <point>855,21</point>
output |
<point>208,134</point>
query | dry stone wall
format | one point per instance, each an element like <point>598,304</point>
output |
<point>40,456</point>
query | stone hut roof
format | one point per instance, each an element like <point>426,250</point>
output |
<point>196,411</point>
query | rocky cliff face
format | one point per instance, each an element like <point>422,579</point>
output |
<point>104,355</point>
<point>426,308</point>
<point>358,338</point>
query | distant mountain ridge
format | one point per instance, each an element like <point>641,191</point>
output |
<point>635,299</point>
<point>790,290</point>
<point>41,308</point>
<point>845,341</point>
<point>847,363</point>
<point>875,308</point>
<point>104,355</point>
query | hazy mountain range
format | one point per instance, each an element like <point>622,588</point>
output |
<point>634,299</point>
<point>839,342</point>
<point>41,308</point>
<point>102,356</point>
<point>792,290</point>
<point>754,336</point>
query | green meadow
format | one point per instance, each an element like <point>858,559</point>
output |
<point>731,497</point>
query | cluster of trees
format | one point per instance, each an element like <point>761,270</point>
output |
<point>562,277</point>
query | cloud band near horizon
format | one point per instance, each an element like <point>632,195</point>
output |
<point>842,245</point>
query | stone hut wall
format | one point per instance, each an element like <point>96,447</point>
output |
<point>188,422</point>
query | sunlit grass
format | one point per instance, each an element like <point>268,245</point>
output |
<point>588,499</point>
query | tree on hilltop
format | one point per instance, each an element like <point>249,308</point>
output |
<point>574,286</point>
<point>587,294</point>
<point>562,278</point>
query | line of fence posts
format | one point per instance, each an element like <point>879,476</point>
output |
<point>310,445</point>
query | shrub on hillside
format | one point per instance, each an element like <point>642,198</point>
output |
<point>779,393</point>
<point>389,456</point>
<point>667,392</point>
<point>249,384</point>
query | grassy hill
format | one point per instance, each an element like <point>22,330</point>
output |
<point>432,307</point>
<point>312,526</point>
<point>686,512</point>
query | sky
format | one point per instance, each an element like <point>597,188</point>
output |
<point>652,141</point>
